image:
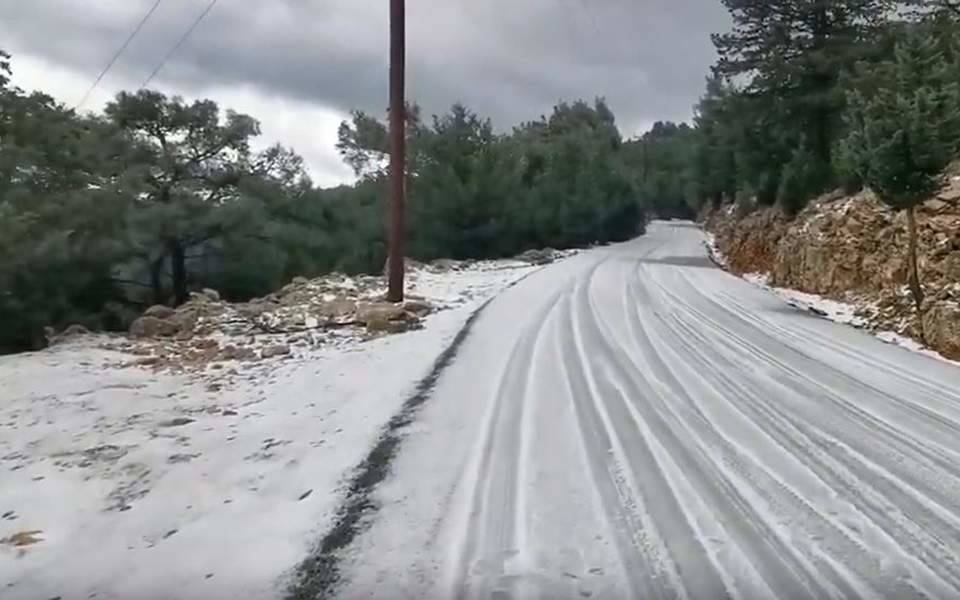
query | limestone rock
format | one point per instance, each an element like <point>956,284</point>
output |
<point>379,311</point>
<point>384,326</point>
<point>159,311</point>
<point>538,257</point>
<point>275,351</point>
<point>417,306</point>
<point>74,330</point>
<point>941,326</point>
<point>152,327</point>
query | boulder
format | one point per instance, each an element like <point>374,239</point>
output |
<point>299,280</point>
<point>385,326</point>
<point>159,311</point>
<point>254,308</point>
<point>952,193</point>
<point>206,344</point>
<point>380,311</point>
<point>417,306</point>
<point>941,326</point>
<point>74,330</point>
<point>152,327</point>
<point>339,311</point>
<point>936,205</point>
<point>232,352</point>
<point>185,319</point>
<point>538,257</point>
<point>275,351</point>
<point>445,264</point>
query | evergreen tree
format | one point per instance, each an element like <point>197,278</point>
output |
<point>903,136</point>
<point>192,163</point>
<point>63,197</point>
<point>793,50</point>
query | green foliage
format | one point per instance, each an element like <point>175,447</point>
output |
<point>553,182</point>
<point>192,162</point>
<point>102,216</point>
<point>62,201</point>
<point>903,135</point>
<point>793,51</point>
<point>804,176</point>
<point>659,161</point>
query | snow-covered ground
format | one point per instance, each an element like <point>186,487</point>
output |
<point>635,423</point>
<point>121,483</point>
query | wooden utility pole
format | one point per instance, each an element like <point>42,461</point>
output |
<point>396,230</point>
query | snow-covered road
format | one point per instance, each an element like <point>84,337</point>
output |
<point>634,422</point>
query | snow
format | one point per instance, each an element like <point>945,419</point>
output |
<point>847,313</point>
<point>146,484</point>
<point>713,249</point>
<point>891,337</point>
<point>636,423</point>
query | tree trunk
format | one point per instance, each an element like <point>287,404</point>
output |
<point>915,289</point>
<point>178,268</point>
<point>156,279</point>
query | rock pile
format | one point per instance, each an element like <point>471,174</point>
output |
<point>306,312</point>
<point>543,256</point>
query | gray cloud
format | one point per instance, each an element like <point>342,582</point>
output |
<point>507,59</point>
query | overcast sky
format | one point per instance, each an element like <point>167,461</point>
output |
<point>300,65</point>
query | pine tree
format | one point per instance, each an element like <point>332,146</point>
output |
<point>793,50</point>
<point>904,135</point>
<point>193,162</point>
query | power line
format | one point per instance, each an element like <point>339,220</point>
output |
<point>179,43</point>
<point>117,54</point>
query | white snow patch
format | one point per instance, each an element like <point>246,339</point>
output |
<point>759,279</point>
<point>713,250</point>
<point>141,484</point>
<point>903,341</point>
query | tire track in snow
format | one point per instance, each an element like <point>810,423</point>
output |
<point>639,546</point>
<point>824,532</point>
<point>918,539</point>
<point>795,376</point>
<point>846,481</point>
<point>722,448</point>
<point>923,393</point>
<point>717,452</point>
<point>490,539</point>
<point>641,406</point>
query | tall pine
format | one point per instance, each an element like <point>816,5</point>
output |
<point>904,134</point>
<point>793,51</point>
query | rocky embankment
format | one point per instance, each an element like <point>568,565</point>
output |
<point>854,249</point>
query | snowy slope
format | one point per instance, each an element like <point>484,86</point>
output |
<point>123,483</point>
<point>635,422</point>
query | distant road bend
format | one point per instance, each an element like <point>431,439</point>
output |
<point>636,423</point>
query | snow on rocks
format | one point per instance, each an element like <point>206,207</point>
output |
<point>206,466</point>
<point>713,250</point>
<point>210,336</point>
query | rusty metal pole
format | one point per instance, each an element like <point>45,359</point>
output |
<point>396,230</point>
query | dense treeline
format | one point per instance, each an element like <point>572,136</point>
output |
<point>778,123</point>
<point>808,96</point>
<point>103,215</point>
